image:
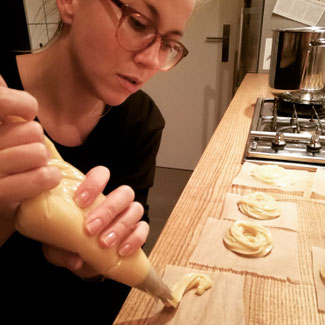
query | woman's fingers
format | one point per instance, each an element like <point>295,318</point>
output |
<point>62,258</point>
<point>135,240</point>
<point>68,260</point>
<point>116,221</point>
<point>96,180</point>
<point>118,218</point>
<point>18,187</point>
<point>15,134</point>
<point>23,155</point>
<point>16,103</point>
<point>115,203</point>
<point>122,226</point>
<point>23,158</point>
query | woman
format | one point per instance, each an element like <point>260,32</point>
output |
<point>92,73</point>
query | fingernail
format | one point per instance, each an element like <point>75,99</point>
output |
<point>94,225</point>
<point>109,239</point>
<point>125,250</point>
<point>82,199</point>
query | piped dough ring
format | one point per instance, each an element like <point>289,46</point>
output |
<point>273,175</point>
<point>259,205</point>
<point>249,239</point>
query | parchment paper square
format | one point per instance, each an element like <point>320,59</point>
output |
<point>318,186</point>
<point>318,262</point>
<point>288,218</point>
<point>221,304</point>
<point>280,263</point>
<point>244,178</point>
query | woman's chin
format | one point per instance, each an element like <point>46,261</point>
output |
<point>116,99</point>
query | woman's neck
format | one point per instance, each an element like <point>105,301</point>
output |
<point>68,110</point>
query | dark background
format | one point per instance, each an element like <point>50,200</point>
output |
<point>13,26</point>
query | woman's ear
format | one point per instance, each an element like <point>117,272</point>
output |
<point>66,10</point>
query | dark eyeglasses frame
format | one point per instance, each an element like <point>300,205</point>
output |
<point>126,11</point>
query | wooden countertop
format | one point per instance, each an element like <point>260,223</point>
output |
<point>203,197</point>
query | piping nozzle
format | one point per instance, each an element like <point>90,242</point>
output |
<point>154,285</point>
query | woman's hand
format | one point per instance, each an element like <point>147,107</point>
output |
<point>23,156</point>
<point>115,221</point>
<point>24,174</point>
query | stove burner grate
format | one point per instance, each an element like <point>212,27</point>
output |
<point>314,112</point>
<point>286,108</point>
<point>291,136</point>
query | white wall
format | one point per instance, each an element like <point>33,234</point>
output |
<point>195,94</point>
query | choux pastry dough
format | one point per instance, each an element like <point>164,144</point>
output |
<point>274,175</point>
<point>249,239</point>
<point>200,281</point>
<point>52,217</point>
<point>259,205</point>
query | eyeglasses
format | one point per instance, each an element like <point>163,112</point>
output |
<point>136,32</point>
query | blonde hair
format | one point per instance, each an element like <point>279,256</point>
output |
<point>51,4</point>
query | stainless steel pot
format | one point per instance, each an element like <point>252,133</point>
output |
<point>297,69</point>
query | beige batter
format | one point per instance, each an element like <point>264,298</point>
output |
<point>249,239</point>
<point>274,175</point>
<point>53,218</point>
<point>200,281</point>
<point>259,205</point>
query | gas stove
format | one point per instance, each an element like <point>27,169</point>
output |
<point>287,133</point>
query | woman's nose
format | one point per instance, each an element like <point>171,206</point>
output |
<point>149,57</point>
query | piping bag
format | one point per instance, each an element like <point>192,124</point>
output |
<point>53,218</point>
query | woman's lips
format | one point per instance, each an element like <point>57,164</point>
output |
<point>129,83</point>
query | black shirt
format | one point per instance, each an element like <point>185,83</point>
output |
<point>125,140</point>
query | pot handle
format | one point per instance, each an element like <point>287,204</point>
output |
<point>318,42</point>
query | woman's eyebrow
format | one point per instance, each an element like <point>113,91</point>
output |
<point>155,13</point>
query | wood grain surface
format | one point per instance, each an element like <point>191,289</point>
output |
<point>267,301</point>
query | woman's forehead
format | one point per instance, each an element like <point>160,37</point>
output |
<point>164,11</point>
